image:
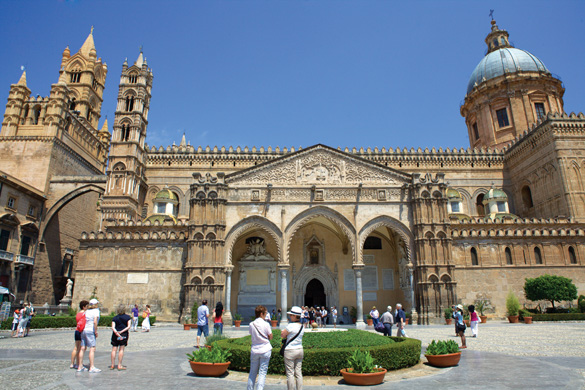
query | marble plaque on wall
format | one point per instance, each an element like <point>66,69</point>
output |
<point>370,278</point>
<point>257,277</point>
<point>348,280</point>
<point>388,279</point>
<point>141,278</point>
<point>370,296</point>
<point>369,259</point>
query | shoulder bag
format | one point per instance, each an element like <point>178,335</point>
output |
<point>284,343</point>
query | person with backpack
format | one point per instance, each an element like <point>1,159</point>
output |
<point>80,321</point>
<point>89,336</point>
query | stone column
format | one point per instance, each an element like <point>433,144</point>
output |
<point>360,324</point>
<point>414,315</point>
<point>283,269</point>
<point>227,317</point>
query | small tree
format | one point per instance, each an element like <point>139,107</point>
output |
<point>512,304</point>
<point>550,288</point>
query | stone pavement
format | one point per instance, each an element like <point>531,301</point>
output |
<point>504,356</point>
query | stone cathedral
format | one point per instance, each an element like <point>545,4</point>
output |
<point>170,226</point>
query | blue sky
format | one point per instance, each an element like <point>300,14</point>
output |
<point>295,73</point>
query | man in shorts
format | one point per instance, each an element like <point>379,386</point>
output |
<point>202,321</point>
<point>334,316</point>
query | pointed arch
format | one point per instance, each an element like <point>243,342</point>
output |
<point>314,212</point>
<point>246,224</point>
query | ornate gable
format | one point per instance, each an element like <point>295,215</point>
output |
<point>319,165</point>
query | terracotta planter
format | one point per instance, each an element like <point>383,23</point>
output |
<point>372,378</point>
<point>449,360</point>
<point>237,323</point>
<point>528,320</point>
<point>513,319</point>
<point>208,347</point>
<point>467,323</point>
<point>273,323</point>
<point>370,322</point>
<point>193,326</point>
<point>209,369</point>
<point>483,319</point>
<point>448,321</point>
<point>407,320</point>
<point>186,326</point>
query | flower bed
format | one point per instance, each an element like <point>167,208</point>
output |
<point>43,322</point>
<point>326,353</point>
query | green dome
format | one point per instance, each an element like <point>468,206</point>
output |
<point>161,218</point>
<point>495,194</point>
<point>453,194</point>
<point>166,194</point>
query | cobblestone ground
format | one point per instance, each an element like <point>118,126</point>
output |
<point>501,355</point>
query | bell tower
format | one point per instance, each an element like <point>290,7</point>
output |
<point>126,187</point>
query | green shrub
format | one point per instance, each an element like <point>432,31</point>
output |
<point>212,339</point>
<point>327,353</point>
<point>194,311</point>
<point>512,304</point>
<point>559,317</point>
<point>237,317</point>
<point>361,362</point>
<point>524,313</point>
<point>442,347</point>
<point>448,313</point>
<point>581,303</point>
<point>44,322</point>
<point>204,355</point>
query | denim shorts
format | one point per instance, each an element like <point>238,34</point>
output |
<point>203,329</point>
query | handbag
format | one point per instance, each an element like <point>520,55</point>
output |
<point>144,314</point>
<point>380,327</point>
<point>284,343</point>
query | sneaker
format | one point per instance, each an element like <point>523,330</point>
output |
<point>81,369</point>
<point>95,370</point>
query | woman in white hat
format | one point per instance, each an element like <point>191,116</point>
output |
<point>293,352</point>
<point>460,325</point>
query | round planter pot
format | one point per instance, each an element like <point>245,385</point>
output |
<point>237,323</point>
<point>186,326</point>
<point>273,323</point>
<point>513,319</point>
<point>483,319</point>
<point>528,320</point>
<point>373,378</point>
<point>209,369</point>
<point>448,321</point>
<point>407,321</point>
<point>370,322</point>
<point>448,360</point>
<point>193,326</point>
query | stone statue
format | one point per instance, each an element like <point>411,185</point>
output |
<point>68,288</point>
<point>256,248</point>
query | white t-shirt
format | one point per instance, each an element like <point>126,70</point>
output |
<point>334,312</point>
<point>293,329</point>
<point>260,332</point>
<point>91,316</point>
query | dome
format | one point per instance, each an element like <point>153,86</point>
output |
<point>495,194</point>
<point>504,60</point>
<point>165,194</point>
<point>453,194</point>
<point>161,218</point>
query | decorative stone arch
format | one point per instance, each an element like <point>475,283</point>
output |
<point>324,275</point>
<point>66,199</point>
<point>76,66</point>
<point>314,212</point>
<point>396,226</point>
<point>246,224</point>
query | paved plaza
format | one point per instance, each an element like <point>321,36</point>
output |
<point>504,356</point>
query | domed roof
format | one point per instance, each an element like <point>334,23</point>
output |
<point>504,60</point>
<point>452,193</point>
<point>161,218</point>
<point>495,194</point>
<point>165,194</point>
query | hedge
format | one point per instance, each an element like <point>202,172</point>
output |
<point>327,353</point>
<point>43,322</point>
<point>559,317</point>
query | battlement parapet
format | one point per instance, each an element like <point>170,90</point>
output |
<point>517,227</point>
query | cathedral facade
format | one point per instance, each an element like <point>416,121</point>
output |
<point>170,226</point>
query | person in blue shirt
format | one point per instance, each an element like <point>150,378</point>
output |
<point>460,325</point>
<point>202,321</point>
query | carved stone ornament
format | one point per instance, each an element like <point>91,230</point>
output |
<point>318,166</point>
<point>257,251</point>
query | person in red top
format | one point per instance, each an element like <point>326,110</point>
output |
<point>80,320</point>
<point>217,319</point>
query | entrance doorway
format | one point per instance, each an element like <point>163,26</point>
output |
<point>315,294</point>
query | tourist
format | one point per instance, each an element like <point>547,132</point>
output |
<point>202,321</point>
<point>334,316</point>
<point>15,322</point>
<point>324,316</point>
<point>460,325</point>
<point>217,319</point>
<point>293,352</point>
<point>146,319</point>
<point>80,321</point>
<point>311,316</point>
<point>375,315</point>
<point>306,316</point>
<point>89,336</point>
<point>278,317</point>
<point>388,321</point>
<point>24,316</point>
<point>261,349</point>
<point>267,317</point>
<point>135,313</point>
<point>473,320</point>
<point>31,311</point>
<point>120,326</point>
<point>400,319</point>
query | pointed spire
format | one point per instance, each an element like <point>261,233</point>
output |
<point>62,78</point>
<point>183,141</point>
<point>105,125</point>
<point>140,60</point>
<point>22,80</point>
<point>88,45</point>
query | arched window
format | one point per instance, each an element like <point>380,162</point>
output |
<point>23,119</point>
<point>527,197</point>
<point>133,78</point>
<point>509,256</point>
<point>474,260</point>
<point>537,255</point>
<point>36,115</point>
<point>129,103</point>
<point>572,255</point>
<point>479,205</point>
<point>125,133</point>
